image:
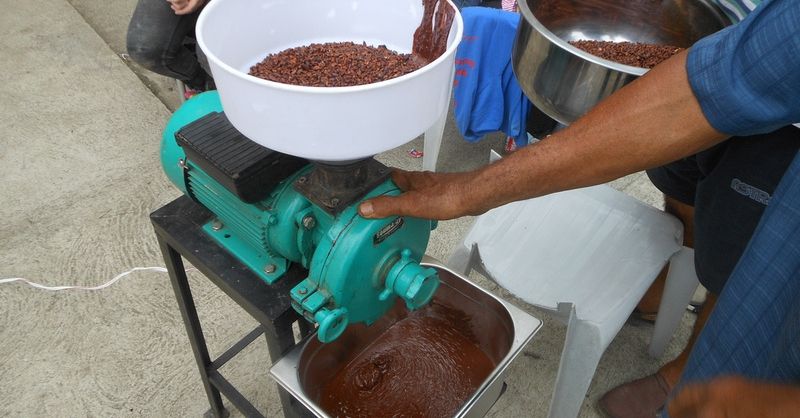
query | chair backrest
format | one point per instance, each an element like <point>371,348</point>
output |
<point>595,247</point>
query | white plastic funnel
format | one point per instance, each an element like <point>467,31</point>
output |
<point>323,123</point>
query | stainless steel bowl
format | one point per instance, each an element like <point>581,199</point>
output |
<point>502,331</point>
<point>565,82</point>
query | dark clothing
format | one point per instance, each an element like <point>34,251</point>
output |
<point>730,186</point>
<point>157,40</point>
<point>754,330</point>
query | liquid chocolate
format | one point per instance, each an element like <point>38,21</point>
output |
<point>425,365</point>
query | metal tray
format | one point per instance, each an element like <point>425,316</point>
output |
<point>503,331</point>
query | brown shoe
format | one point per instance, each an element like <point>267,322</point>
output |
<point>645,316</point>
<point>641,398</point>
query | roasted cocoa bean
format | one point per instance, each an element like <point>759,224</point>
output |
<point>335,64</point>
<point>629,53</point>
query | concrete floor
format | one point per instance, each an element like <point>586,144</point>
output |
<point>80,170</point>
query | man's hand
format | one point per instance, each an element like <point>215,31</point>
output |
<point>184,7</point>
<point>427,195</point>
<point>733,397</point>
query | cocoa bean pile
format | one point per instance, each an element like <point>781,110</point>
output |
<point>629,53</point>
<point>335,64</point>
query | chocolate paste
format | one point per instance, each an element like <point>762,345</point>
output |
<point>425,365</point>
<point>430,38</point>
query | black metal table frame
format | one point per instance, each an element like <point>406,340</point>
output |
<point>178,228</point>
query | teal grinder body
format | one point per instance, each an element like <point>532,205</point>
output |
<point>272,209</point>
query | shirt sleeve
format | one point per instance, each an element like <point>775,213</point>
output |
<point>747,76</point>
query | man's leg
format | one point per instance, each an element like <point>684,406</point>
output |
<point>644,397</point>
<point>671,372</point>
<point>156,38</point>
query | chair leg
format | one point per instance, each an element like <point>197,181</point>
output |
<point>681,285</point>
<point>582,351</point>
<point>181,88</point>
<point>433,142</point>
<point>433,136</point>
<point>462,259</point>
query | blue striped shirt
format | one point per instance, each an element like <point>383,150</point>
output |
<point>737,10</point>
<point>753,67</point>
<point>746,76</point>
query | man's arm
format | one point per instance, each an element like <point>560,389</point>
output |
<point>650,122</point>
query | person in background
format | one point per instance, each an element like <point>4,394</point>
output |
<point>467,3</point>
<point>157,35</point>
<point>509,5</point>
<point>743,81</point>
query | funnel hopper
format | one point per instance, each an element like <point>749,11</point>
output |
<point>323,123</point>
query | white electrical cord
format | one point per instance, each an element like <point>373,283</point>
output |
<point>99,287</point>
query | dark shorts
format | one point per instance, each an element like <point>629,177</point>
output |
<point>160,41</point>
<point>729,186</point>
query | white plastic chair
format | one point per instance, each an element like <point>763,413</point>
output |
<point>587,256</point>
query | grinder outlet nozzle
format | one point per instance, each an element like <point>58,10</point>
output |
<point>407,279</point>
<point>332,323</point>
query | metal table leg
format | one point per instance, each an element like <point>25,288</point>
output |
<point>279,342</point>
<point>179,229</point>
<point>180,285</point>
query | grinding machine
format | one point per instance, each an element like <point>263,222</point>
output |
<point>272,209</point>
<point>284,167</point>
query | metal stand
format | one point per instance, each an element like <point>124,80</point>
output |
<point>178,228</point>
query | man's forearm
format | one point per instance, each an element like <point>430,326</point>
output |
<point>653,121</point>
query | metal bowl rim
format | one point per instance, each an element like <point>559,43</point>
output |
<point>542,29</point>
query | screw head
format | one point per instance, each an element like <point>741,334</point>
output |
<point>302,290</point>
<point>335,202</point>
<point>216,225</point>
<point>309,222</point>
<point>270,268</point>
<point>302,179</point>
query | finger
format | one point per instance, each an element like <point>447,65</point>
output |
<point>183,7</point>
<point>416,180</point>
<point>385,206</point>
<point>184,10</point>
<point>402,178</point>
<point>710,410</point>
<point>688,401</point>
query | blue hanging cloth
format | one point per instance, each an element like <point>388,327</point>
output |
<point>487,96</point>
